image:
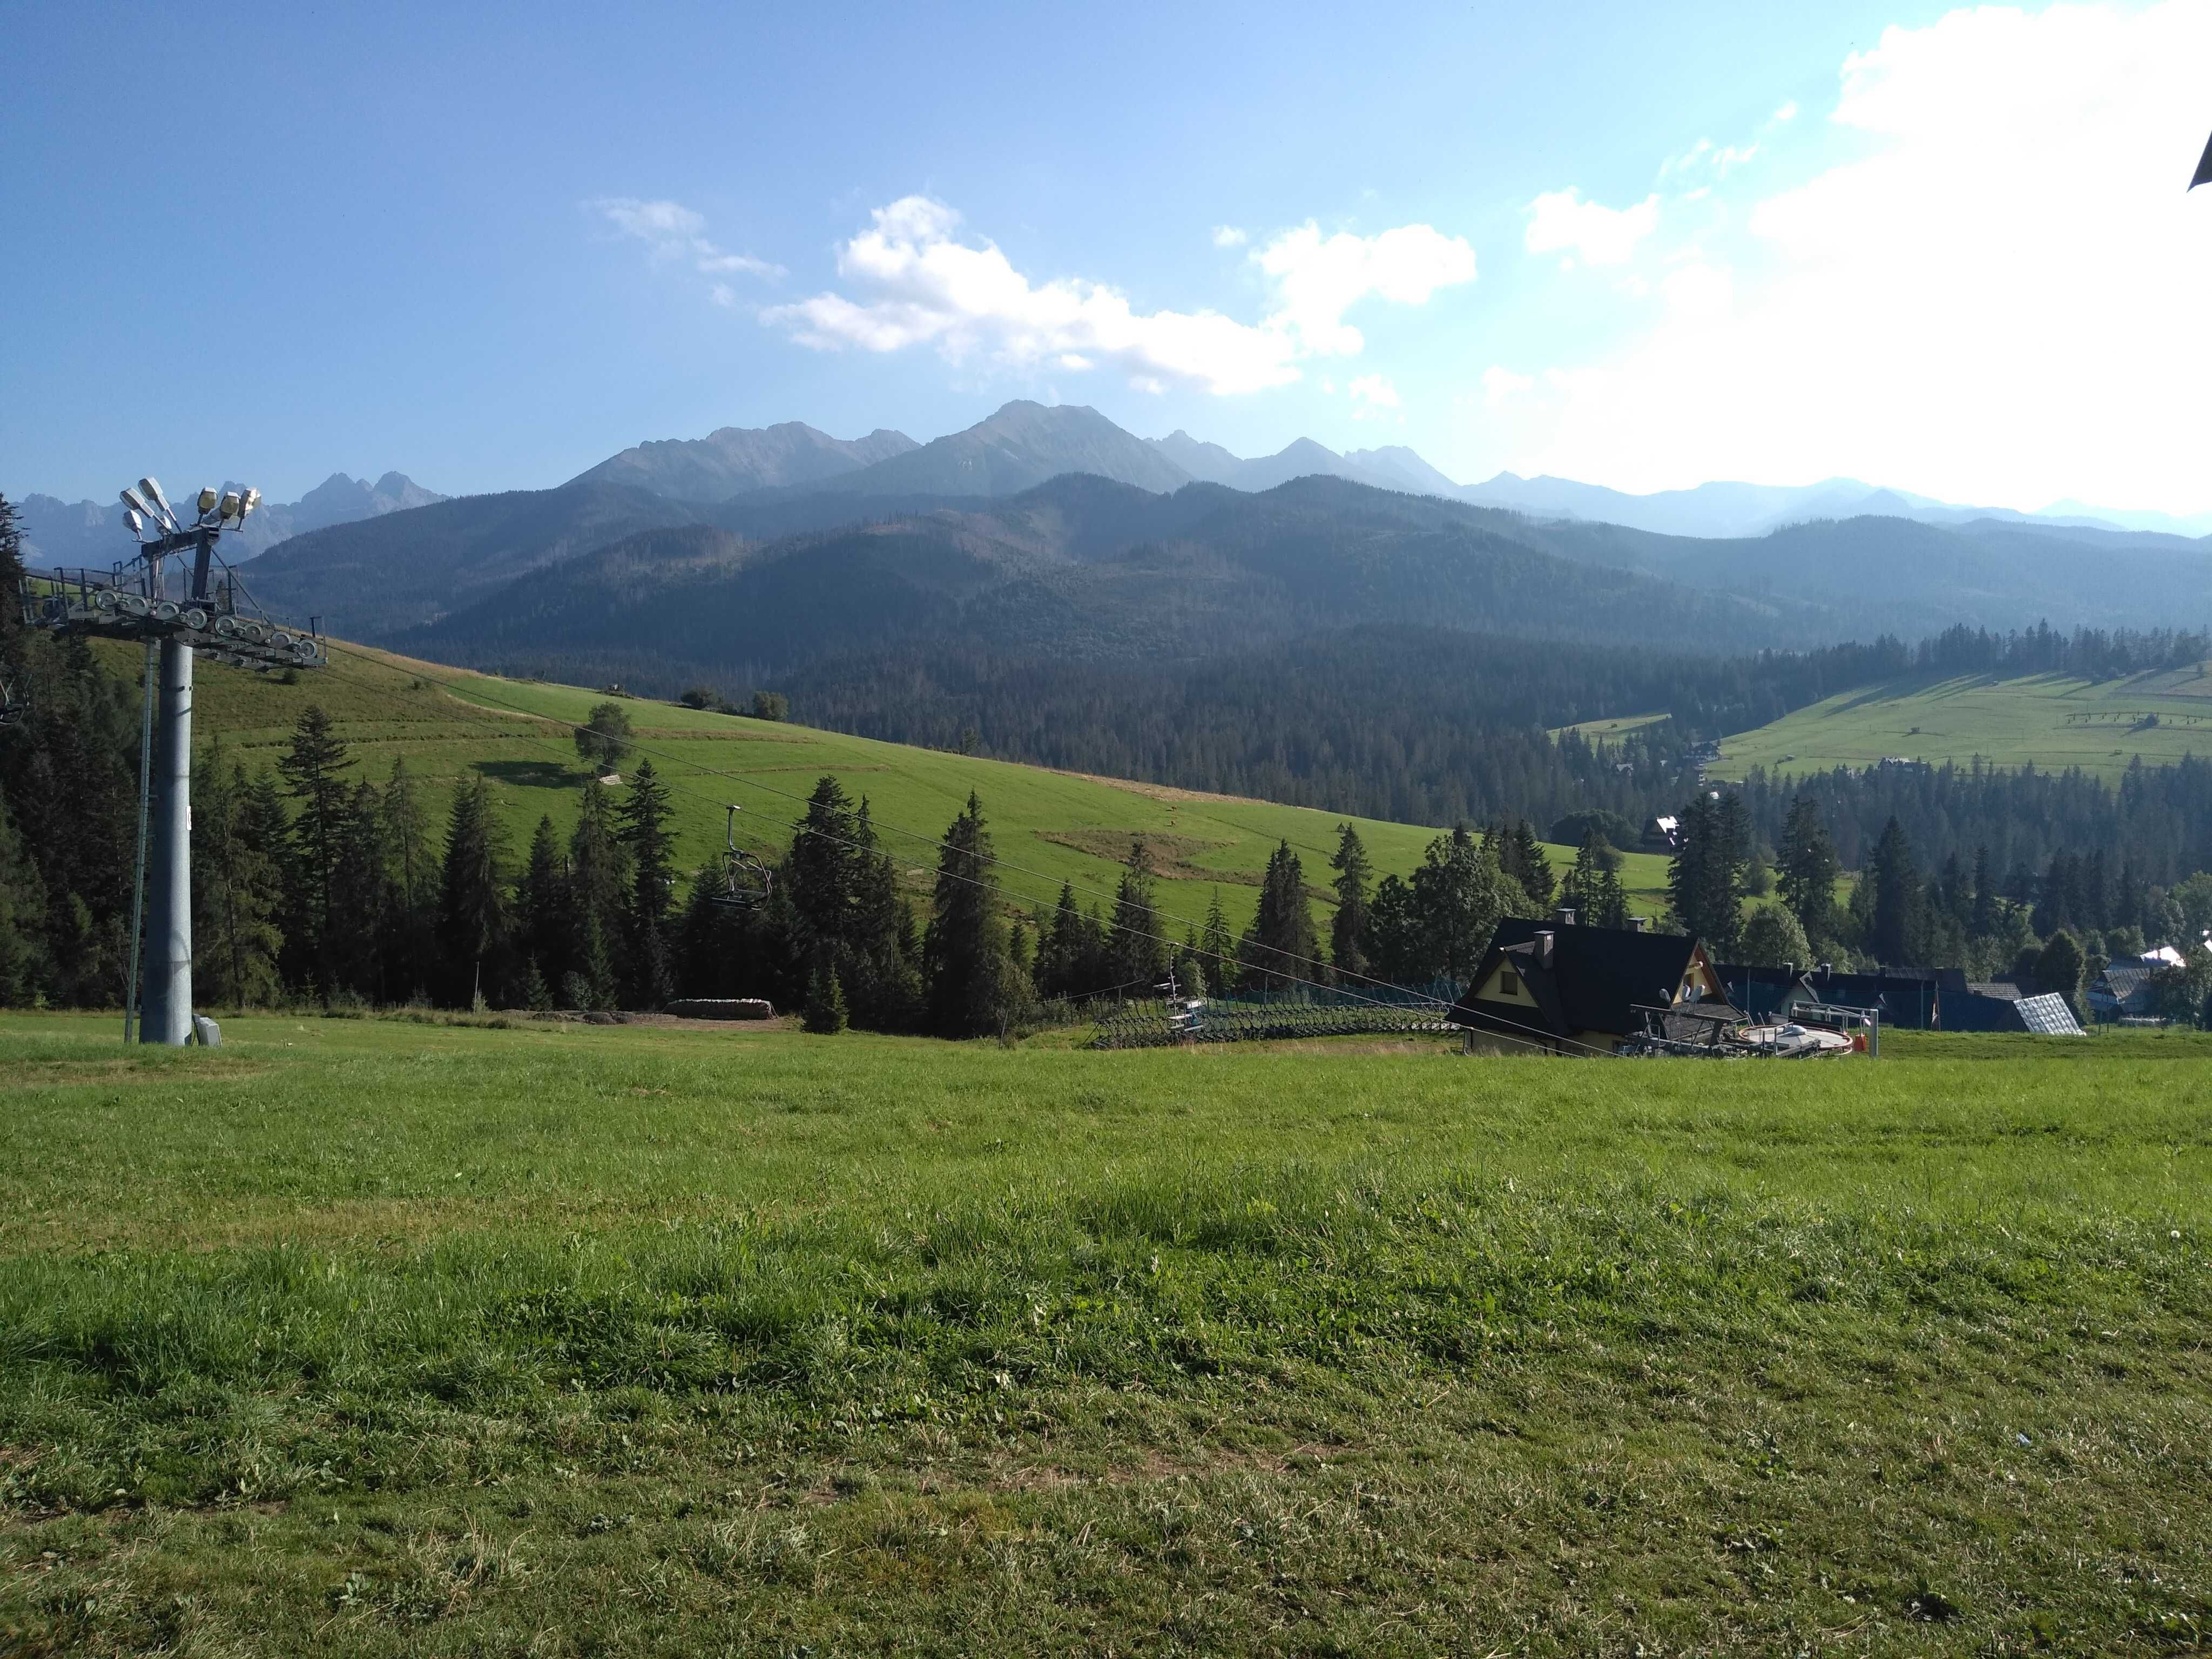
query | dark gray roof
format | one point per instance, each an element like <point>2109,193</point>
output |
<point>1597,978</point>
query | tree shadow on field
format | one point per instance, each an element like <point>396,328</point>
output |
<point>531,774</point>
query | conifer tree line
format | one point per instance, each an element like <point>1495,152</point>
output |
<point>2052,930</point>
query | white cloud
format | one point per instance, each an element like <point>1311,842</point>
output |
<point>1500,383</point>
<point>1787,112</point>
<point>1228,236</point>
<point>674,232</point>
<point>1371,392</point>
<point>2000,299</point>
<point>918,282</point>
<point>1560,220</point>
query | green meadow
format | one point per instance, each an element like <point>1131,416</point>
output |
<point>2051,720</point>
<point>1050,827</point>
<point>390,1336</point>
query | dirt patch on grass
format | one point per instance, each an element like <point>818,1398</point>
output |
<point>1174,857</point>
<point>125,1068</point>
<point>1160,792</point>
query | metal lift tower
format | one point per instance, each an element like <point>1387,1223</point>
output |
<point>132,601</point>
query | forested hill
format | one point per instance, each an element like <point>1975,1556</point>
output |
<point>1078,569</point>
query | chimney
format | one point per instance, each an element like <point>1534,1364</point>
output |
<point>1639,924</point>
<point>1825,970</point>
<point>1544,946</point>
<point>1565,915</point>
<point>1789,971</point>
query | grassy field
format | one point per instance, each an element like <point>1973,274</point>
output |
<point>449,723</point>
<point>379,1337</point>
<point>1611,731</point>
<point>2049,719</point>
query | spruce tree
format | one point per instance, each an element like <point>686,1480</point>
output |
<point>1591,887</point>
<point>409,945</point>
<point>314,767</point>
<point>1217,946</point>
<point>1401,948</point>
<point>1521,855</point>
<point>1279,953</point>
<point>825,1003</point>
<point>1347,929</point>
<point>472,909</point>
<point>1706,878</point>
<point>1808,870</point>
<point>1139,944</point>
<point>644,830</point>
<point>235,890</point>
<point>599,886</point>
<point>971,983</point>
<point>1896,898</point>
<point>542,904</point>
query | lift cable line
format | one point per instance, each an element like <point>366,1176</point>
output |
<point>132,601</point>
<point>1544,1042</point>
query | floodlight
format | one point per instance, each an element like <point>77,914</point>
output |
<point>233,506</point>
<point>160,502</point>
<point>131,500</point>
<point>135,524</point>
<point>206,499</point>
<point>251,500</point>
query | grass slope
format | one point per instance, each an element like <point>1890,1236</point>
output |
<point>449,723</point>
<point>378,1338</point>
<point>2049,719</point>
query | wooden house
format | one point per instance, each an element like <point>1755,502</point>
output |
<point>1570,989</point>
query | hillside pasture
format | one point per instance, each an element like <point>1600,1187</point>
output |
<point>379,1337</point>
<point>2052,720</point>
<point>450,724</point>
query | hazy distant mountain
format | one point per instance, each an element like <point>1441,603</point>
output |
<point>1301,458</point>
<point>87,533</point>
<point>1404,470</point>
<point>1080,568</point>
<point>736,459</point>
<point>2195,524</point>
<point>375,575</point>
<point>1743,509</point>
<point>1016,449</point>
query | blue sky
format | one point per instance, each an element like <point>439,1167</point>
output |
<point>1641,245</point>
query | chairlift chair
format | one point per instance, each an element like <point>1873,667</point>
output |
<point>746,879</point>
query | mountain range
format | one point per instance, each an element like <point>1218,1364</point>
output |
<point>91,533</point>
<point>1024,443</point>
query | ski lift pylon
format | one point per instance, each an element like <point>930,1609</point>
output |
<point>746,880</point>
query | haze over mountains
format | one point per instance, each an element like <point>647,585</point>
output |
<point>91,533</point>
<point>1051,531</point>
<point>1024,443</point>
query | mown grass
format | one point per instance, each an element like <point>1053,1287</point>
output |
<point>383,1338</point>
<point>451,724</point>
<point>2049,721</point>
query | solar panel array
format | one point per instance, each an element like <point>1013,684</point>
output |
<point>2049,1015</point>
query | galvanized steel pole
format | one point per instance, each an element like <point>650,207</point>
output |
<point>167,1015</point>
